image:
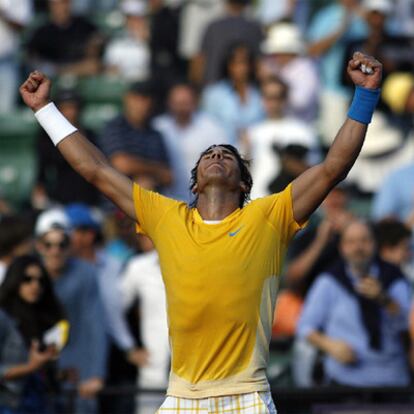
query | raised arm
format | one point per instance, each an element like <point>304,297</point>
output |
<point>80,153</point>
<point>311,187</point>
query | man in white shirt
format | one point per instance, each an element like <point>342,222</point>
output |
<point>278,129</point>
<point>187,133</point>
<point>142,280</point>
<point>285,56</point>
<point>128,55</point>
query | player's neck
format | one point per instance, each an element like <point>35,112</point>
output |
<point>215,204</point>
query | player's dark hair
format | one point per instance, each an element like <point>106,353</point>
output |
<point>245,175</point>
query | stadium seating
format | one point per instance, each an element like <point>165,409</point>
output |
<point>95,116</point>
<point>102,89</point>
<point>17,159</point>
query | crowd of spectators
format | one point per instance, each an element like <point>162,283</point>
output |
<point>81,296</point>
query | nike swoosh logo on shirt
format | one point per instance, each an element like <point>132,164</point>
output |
<point>233,233</point>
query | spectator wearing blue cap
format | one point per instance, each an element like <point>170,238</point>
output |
<point>86,239</point>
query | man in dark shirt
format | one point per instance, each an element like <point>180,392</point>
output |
<point>222,33</point>
<point>133,147</point>
<point>65,43</point>
<point>56,180</point>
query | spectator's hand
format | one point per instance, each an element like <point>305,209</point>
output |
<point>39,198</point>
<point>341,351</point>
<point>35,91</point>
<point>39,358</point>
<point>90,387</point>
<point>138,357</point>
<point>359,78</point>
<point>370,288</point>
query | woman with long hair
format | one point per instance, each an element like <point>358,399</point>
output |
<point>235,100</point>
<point>32,331</point>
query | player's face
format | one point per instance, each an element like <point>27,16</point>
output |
<point>219,166</point>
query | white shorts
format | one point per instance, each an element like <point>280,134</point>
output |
<point>252,403</point>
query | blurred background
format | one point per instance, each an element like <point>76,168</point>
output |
<point>153,83</point>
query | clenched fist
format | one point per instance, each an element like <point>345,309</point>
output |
<point>369,78</point>
<point>35,91</point>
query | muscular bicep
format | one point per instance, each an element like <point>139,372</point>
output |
<point>119,189</point>
<point>309,190</point>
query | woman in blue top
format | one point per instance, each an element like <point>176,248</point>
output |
<point>28,309</point>
<point>235,100</point>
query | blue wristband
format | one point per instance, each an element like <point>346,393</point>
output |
<point>363,104</point>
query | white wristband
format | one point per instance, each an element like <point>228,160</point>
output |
<point>54,123</point>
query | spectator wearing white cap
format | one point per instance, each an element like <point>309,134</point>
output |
<point>83,360</point>
<point>128,54</point>
<point>285,57</point>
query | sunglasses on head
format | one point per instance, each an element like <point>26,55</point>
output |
<point>63,244</point>
<point>29,279</point>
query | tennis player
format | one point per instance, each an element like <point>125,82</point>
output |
<point>220,259</point>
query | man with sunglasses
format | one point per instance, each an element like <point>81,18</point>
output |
<point>266,141</point>
<point>221,260</point>
<point>83,360</point>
